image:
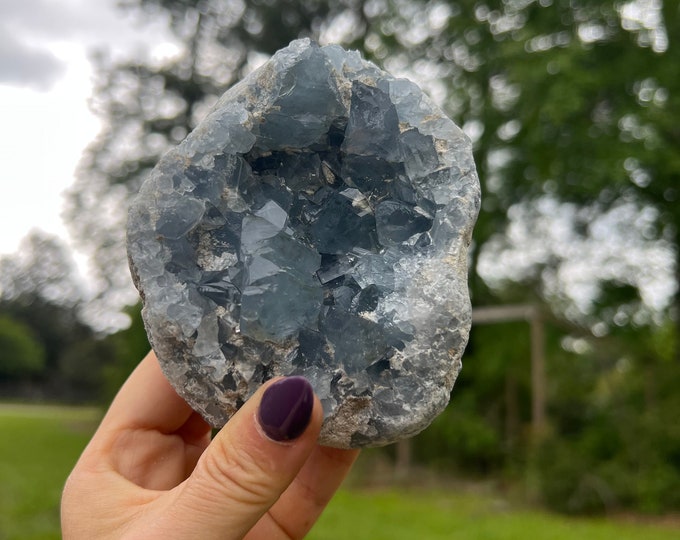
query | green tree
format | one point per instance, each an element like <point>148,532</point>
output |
<point>39,287</point>
<point>614,442</point>
<point>21,354</point>
<point>42,267</point>
<point>128,347</point>
<point>40,291</point>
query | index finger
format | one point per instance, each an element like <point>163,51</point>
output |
<point>147,401</point>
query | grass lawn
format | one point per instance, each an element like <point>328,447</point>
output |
<point>402,515</point>
<point>39,446</point>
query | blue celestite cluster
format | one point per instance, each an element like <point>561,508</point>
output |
<point>315,223</point>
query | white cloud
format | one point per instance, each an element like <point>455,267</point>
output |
<point>31,30</point>
<point>24,65</point>
<point>45,84</point>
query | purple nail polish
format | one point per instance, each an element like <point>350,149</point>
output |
<point>286,408</point>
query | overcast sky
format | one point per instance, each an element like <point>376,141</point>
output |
<point>45,83</point>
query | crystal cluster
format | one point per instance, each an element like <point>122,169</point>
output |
<point>315,223</point>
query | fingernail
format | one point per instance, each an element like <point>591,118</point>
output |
<point>286,408</point>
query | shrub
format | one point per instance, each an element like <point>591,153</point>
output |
<point>21,353</point>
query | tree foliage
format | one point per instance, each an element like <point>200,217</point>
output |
<point>39,287</point>
<point>47,350</point>
<point>41,268</point>
<point>21,354</point>
<point>127,347</point>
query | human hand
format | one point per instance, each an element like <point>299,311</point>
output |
<point>151,471</point>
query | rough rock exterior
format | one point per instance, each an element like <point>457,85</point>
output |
<point>315,223</point>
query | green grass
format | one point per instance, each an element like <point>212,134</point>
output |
<point>40,445</point>
<point>402,515</point>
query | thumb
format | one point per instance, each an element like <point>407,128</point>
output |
<point>250,462</point>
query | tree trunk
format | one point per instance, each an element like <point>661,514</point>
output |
<point>511,411</point>
<point>538,383</point>
<point>402,466</point>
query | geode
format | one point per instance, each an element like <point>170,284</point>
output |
<point>315,223</point>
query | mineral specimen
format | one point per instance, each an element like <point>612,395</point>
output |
<point>316,223</point>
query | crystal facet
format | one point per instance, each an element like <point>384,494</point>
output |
<point>316,223</point>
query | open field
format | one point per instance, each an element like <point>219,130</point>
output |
<point>39,445</point>
<point>401,515</point>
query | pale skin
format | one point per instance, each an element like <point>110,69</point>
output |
<point>152,472</point>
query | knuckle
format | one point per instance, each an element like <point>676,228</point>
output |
<point>237,474</point>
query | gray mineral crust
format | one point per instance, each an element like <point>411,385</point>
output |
<point>316,223</point>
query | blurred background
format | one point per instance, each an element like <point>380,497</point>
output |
<point>568,402</point>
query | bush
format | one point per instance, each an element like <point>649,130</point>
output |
<point>21,353</point>
<point>569,480</point>
<point>128,347</point>
<point>615,441</point>
<point>460,439</point>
